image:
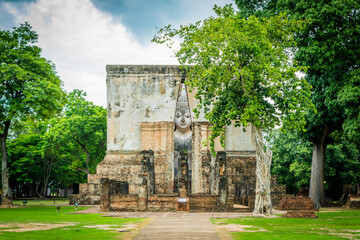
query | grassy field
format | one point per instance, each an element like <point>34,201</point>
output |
<point>44,222</point>
<point>41,202</point>
<point>18,223</point>
<point>329,225</point>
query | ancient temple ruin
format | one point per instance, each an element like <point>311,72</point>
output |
<point>157,158</point>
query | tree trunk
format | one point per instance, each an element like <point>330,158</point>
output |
<point>263,205</point>
<point>316,192</point>
<point>6,191</point>
<point>84,170</point>
<point>47,171</point>
<point>83,146</point>
<point>37,193</point>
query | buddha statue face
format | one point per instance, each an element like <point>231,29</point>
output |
<point>182,113</point>
<point>182,121</point>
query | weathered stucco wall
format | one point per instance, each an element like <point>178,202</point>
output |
<point>141,93</point>
<point>238,140</point>
<point>138,94</point>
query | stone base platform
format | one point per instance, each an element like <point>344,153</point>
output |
<point>300,214</point>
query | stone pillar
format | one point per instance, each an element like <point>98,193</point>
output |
<point>151,173</point>
<point>183,181</point>
<point>142,194</point>
<point>147,165</point>
<point>143,186</point>
<point>105,194</point>
<point>223,182</point>
<point>214,176</point>
<point>223,191</point>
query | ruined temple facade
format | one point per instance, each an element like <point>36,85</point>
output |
<point>156,155</point>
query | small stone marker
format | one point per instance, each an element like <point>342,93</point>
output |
<point>183,204</point>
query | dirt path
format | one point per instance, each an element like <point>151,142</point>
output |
<point>176,226</point>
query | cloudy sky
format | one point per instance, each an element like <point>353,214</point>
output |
<point>82,36</point>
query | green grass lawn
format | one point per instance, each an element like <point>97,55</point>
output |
<point>329,225</point>
<point>41,202</point>
<point>74,226</point>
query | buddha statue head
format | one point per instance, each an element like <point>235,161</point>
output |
<point>182,113</point>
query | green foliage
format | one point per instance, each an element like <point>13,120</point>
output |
<point>80,133</point>
<point>30,167</point>
<point>349,99</point>
<point>329,45</point>
<point>242,70</point>
<point>341,165</point>
<point>292,162</point>
<point>27,150</point>
<point>291,159</point>
<point>29,86</point>
<point>43,153</point>
<point>51,153</point>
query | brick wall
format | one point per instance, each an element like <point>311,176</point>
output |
<point>91,199</point>
<point>163,202</point>
<point>278,191</point>
<point>298,206</point>
<point>128,202</point>
<point>203,202</point>
<point>159,137</point>
<point>296,203</point>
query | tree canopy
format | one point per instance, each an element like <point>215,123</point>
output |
<point>292,162</point>
<point>242,69</point>
<point>82,124</point>
<point>243,72</point>
<point>329,46</point>
<point>58,152</point>
<point>29,87</point>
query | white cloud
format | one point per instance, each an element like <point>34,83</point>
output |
<point>81,40</point>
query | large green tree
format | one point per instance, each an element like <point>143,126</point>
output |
<point>292,162</point>
<point>242,73</point>
<point>330,46</point>
<point>47,154</point>
<point>82,124</point>
<point>29,88</point>
<point>25,160</point>
<point>31,166</point>
<point>291,159</point>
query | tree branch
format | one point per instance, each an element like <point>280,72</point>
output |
<point>87,153</point>
<point>6,129</point>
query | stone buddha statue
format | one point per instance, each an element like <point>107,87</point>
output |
<point>183,133</point>
<point>182,137</point>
